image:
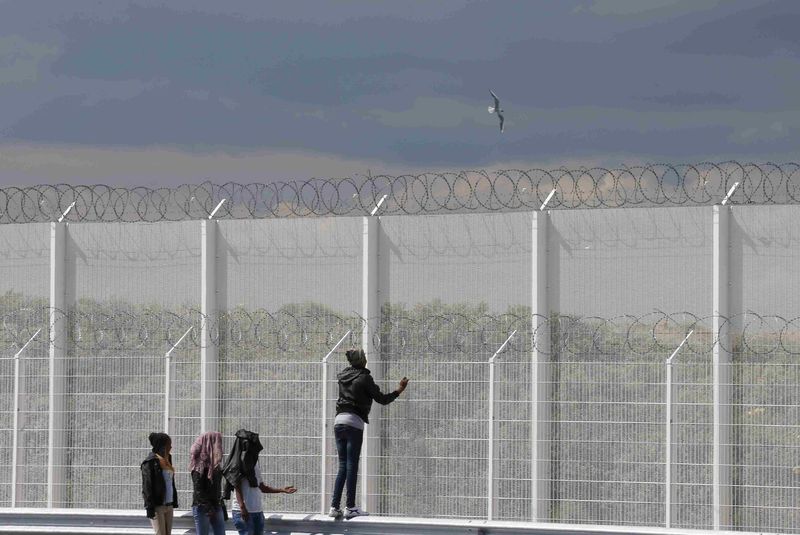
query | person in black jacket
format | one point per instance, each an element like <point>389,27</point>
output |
<point>158,484</point>
<point>242,473</point>
<point>205,460</point>
<point>357,391</point>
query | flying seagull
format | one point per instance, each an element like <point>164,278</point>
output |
<point>497,109</point>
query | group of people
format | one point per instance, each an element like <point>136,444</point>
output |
<point>214,481</point>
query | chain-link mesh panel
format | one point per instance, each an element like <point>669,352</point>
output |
<point>513,431</point>
<point>6,423</point>
<point>452,289</point>
<point>692,432</point>
<point>764,260</point>
<point>765,407</point>
<point>291,289</point>
<point>24,287</point>
<point>609,428</point>
<point>132,288</point>
<point>630,262</point>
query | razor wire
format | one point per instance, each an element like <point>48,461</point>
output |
<point>427,193</point>
<point>436,334</point>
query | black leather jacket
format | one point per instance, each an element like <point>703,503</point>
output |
<point>153,488</point>
<point>207,492</point>
<point>357,391</point>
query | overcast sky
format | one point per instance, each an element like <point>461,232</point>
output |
<point>148,93</point>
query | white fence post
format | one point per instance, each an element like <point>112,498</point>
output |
<point>324,424</point>
<point>58,349</point>
<point>721,369</point>
<point>370,311</point>
<point>209,387</point>
<point>669,490</point>
<point>16,423</point>
<point>490,454</point>
<point>540,371</point>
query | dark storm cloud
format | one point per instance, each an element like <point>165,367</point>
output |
<point>388,81</point>
<point>762,31</point>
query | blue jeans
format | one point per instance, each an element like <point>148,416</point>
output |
<point>348,446</point>
<point>203,525</point>
<point>253,526</point>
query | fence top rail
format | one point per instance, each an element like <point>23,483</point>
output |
<point>508,190</point>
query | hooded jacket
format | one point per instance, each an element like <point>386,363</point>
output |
<point>357,391</point>
<point>242,461</point>
<point>153,488</point>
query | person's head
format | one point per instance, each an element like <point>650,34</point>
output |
<point>357,358</point>
<point>205,454</point>
<point>161,443</point>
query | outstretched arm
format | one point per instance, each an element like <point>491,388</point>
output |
<point>266,489</point>
<point>384,399</point>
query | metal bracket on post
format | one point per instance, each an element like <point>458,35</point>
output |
<point>214,211</point>
<point>730,192</point>
<point>167,374</point>
<point>547,200</point>
<point>668,494</point>
<point>15,436</point>
<point>490,455</point>
<point>60,219</point>
<point>380,202</point>
<point>324,423</point>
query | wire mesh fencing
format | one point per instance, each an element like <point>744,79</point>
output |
<point>764,431</point>
<point>458,442</point>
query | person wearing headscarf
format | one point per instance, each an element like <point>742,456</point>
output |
<point>158,484</point>
<point>243,474</point>
<point>205,460</point>
<point>357,391</point>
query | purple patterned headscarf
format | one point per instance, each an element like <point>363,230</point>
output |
<point>206,453</point>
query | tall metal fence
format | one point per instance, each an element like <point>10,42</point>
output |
<point>617,366</point>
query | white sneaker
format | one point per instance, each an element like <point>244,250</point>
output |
<point>353,512</point>
<point>335,512</point>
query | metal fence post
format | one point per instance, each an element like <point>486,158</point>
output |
<point>15,432</point>
<point>370,312</point>
<point>209,398</point>
<point>540,392</point>
<point>57,364</point>
<point>490,455</point>
<point>669,491</point>
<point>324,423</point>
<point>721,456</point>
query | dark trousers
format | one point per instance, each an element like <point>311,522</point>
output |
<point>348,446</point>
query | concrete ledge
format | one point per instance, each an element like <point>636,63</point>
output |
<point>134,522</point>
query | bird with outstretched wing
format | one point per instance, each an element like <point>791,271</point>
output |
<point>497,109</point>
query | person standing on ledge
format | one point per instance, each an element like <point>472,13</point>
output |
<point>357,391</point>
